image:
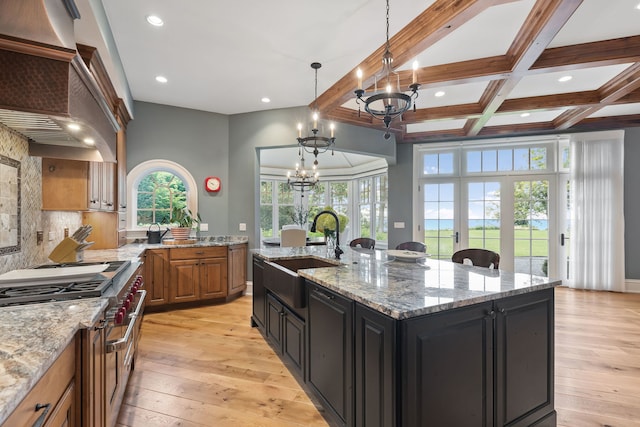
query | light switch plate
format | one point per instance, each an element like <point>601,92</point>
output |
<point>243,226</point>
<point>398,225</point>
<point>204,226</point>
<point>52,235</point>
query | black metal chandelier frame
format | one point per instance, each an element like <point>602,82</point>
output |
<point>301,180</point>
<point>315,144</point>
<point>394,103</point>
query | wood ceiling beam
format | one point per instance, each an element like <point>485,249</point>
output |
<point>550,102</point>
<point>586,55</point>
<point>543,23</point>
<point>621,85</point>
<point>433,24</point>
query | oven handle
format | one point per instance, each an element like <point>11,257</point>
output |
<point>122,342</point>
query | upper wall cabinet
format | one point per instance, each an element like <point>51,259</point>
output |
<point>74,185</point>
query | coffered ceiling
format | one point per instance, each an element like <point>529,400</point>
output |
<point>498,62</point>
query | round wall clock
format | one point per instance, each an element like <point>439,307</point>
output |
<point>212,184</point>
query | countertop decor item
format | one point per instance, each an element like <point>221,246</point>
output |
<point>183,220</point>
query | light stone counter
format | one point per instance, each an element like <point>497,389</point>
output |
<point>31,339</point>
<point>403,290</point>
<point>33,336</point>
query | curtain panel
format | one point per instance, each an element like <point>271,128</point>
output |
<point>597,219</point>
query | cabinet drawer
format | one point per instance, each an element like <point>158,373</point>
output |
<point>49,390</point>
<point>122,220</point>
<point>195,253</point>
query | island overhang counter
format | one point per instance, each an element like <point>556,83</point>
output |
<point>390,343</point>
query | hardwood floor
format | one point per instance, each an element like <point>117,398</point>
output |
<point>206,366</point>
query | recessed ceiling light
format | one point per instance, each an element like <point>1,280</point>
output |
<point>265,100</point>
<point>73,126</point>
<point>525,114</point>
<point>161,79</point>
<point>154,20</point>
<point>565,79</point>
<point>439,93</point>
<point>638,6</point>
<point>89,141</point>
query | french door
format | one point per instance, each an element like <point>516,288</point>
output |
<point>513,215</point>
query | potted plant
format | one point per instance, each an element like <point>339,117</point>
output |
<point>183,221</point>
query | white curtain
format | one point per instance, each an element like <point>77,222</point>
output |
<point>597,220</point>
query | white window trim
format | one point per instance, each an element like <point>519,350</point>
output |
<point>143,169</point>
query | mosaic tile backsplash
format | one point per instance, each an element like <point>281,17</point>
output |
<point>33,219</point>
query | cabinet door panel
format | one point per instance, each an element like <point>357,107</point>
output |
<point>274,321</point>
<point>184,281</point>
<point>524,358</point>
<point>448,368</point>
<point>293,340</point>
<point>156,272</point>
<point>375,368</point>
<point>259,293</point>
<point>330,332</point>
<point>237,269</point>
<point>213,278</point>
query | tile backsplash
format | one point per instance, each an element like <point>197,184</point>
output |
<point>33,219</point>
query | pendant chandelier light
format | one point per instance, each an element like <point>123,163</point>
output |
<point>389,102</point>
<point>301,180</point>
<point>314,143</point>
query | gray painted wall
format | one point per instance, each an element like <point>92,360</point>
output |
<point>197,140</point>
<point>632,203</point>
<point>228,147</point>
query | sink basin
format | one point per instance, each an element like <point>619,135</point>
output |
<point>281,277</point>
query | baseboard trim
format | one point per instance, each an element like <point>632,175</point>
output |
<point>632,286</point>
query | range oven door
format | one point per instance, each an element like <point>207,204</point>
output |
<point>121,346</point>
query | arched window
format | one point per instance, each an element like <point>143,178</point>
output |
<point>154,187</point>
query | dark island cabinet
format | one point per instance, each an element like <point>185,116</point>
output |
<point>286,332</point>
<point>330,351</point>
<point>524,378</point>
<point>448,368</point>
<point>456,362</point>
<point>259,295</point>
<point>375,368</point>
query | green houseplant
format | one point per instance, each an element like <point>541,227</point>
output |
<point>183,220</point>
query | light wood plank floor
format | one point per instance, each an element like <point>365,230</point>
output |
<point>207,367</point>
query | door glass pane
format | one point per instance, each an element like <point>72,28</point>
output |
<point>483,215</point>
<point>439,219</point>
<point>531,227</point>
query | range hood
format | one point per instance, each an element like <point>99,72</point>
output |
<point>47,92</point>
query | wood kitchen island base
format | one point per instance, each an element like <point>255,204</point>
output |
<point>480,359</point>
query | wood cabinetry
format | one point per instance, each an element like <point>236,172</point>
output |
<point>237,268</point>
<point>330,350</point>
<point>53,400</point>
<point>94,390</point>
<point>74,185</point>
<point>156,276</point>
<point>188,274</point>
<point>197,273</point>
<point>121,168</point>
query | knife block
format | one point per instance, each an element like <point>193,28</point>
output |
<point>67,251</point>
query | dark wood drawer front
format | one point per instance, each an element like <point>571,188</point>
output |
<point>196,253</point>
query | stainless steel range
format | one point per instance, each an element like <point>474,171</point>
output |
<point>19,294</point>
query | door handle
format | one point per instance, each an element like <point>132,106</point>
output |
<point>562,238</point>
<point>456,235</point>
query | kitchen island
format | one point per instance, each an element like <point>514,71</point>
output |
<point>381,342</point>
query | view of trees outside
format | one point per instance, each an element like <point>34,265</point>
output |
<point>266,208</point>
<point>158,192</point>
<point>381,224</point>
<point>364,204</point>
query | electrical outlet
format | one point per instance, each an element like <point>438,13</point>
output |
<point>52,235</point>
<point>243,226</point>
<point>204,226</point>
<point>398,225</point>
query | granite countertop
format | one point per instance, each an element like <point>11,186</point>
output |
<point>197,242</point>
<point>33,336</point>
<point>403,290</point>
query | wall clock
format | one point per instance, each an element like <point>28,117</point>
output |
<point>212,184</point>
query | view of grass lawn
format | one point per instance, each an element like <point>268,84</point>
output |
<point>524,247</point>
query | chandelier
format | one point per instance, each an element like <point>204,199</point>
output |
<point>389,102</point>
<point>301,180</point>
<point>315,144</point>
